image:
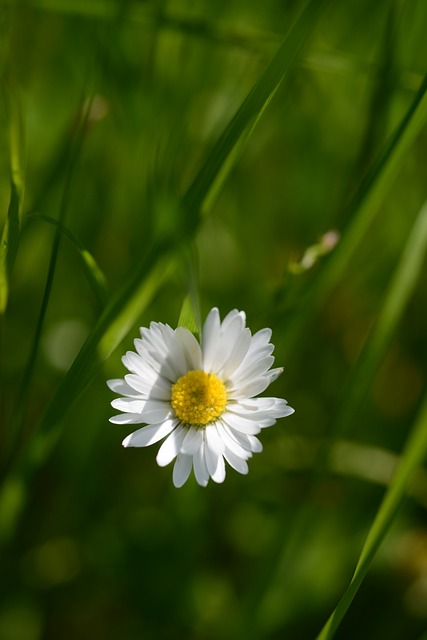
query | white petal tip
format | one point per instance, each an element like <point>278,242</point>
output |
<point>127,441</point>
<point>162,462</point>
<point>202,484</point>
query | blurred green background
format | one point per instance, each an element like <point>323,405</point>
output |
<point>105,546</point>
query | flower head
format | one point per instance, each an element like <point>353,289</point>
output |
<point>200,397</point>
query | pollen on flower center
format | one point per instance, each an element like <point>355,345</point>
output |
<point>198,397</point>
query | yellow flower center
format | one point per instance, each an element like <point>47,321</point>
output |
<point>198,397</point>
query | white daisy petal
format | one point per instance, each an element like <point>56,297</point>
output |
<point>260,339</point>
<point>211,330</point>
<point>250,389</point>
<point>149,411</point>
<point>199,465</point>
<point>238,463</point>
<point>158,388</point>
<point>121,387</point>
<point>231,317</point>
<point>215,464</point>
<point>127,418</point>
<point>240,424</point>
<point>202,398</point>
<point>149,435</point>
<point>274,374</point>
<point>219,475</point>
<point>131,405</point>
<point>255,370</point>
<point>262,418</point>
<point>136,364</point>
<point>237,353</point>
<point>171,446</point>
<point>192,441</point>
<point>230,332</point>
<point>190,347</point>
<point>154,352</point>
<point>213,439</point>
<point>253,405</point>
<point>256,445</point>
<point>231,443</point>
<point>175,355</point>
<point>241,439</point>
<point>252,357</point>
<point>181,469</point>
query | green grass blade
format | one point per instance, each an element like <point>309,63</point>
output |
<point>187,316</point>
<point>94,274</point>
<point>361,212</point>
<point>228,149</point>
<point>72,159</point>
<point>13,443</point>
<point>115,322</point>
<point>383,84</point>
<point>401,288</point>
<point>412,457</point>
<point>12,229</point>
<point>367,199</point>
<point>190,316</point>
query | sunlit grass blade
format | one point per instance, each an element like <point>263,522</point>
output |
<point>187,317</point>
<point>94,275</point>
<point>375,186</point>
<point>394,303</point>
<point>361,212</point>
<point>190,316</point>
<point>73,154</point>
<point>412,457</point>
<point>9,241</point>
<point>396,298</point>
<point>227,150</point>
<point>115,322</point>
<point>13,437</point>
<point>383,83</point>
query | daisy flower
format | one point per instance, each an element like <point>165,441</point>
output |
<point>200,397</point>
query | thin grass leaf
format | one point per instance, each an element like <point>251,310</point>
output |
<point>396,298</point>
<point>395,301</point>
<point>190,316</point>
<point>381,97</point>
<point>14,437</point>
<point>361,212</point>
<point>230,145</point>
<point>72,159</point>
<point>12,229</point>
<point>187,316</point>
<point>412,458</point>
<point>373,189</point>
<point>114,324</point>
<point>94,274</point>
